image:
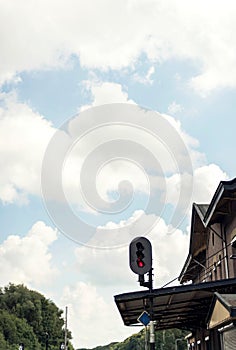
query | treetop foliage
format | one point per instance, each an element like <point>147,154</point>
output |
<point>163,340</point>
<point>28,317</point>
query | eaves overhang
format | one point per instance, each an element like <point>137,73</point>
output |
<point>183,307</point>
<point>225,191</point>
<point>198,238</point>
<point>185,269</point>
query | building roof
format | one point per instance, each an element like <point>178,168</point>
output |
<point>218,208</point>
<point>203,216</point>
<point>183,307</point>
<point>222,310</point>
<point>201,210</point>
<point>197,245</point>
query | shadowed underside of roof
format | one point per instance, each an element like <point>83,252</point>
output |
<point>183,307</point>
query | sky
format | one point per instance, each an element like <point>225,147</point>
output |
<point>114,118</point>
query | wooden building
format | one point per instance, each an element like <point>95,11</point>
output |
<point>212,257</point>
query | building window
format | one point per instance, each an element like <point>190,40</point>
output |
<point>233,244</point>
<point>207,342</point>
<point>219,264</point>
<point>215,271</point>
<point>213,238</point>
<point>210,276</point>
<point>198,345</point>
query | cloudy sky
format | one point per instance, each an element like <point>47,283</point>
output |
<point>114,118</point>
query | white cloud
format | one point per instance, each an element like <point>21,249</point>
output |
<point>165,155</point>
<point>174,108</point>
<point>27,259</point>
<point>104,34</point>
<point>112,265</point>
<point>147,79</point>
<point>206,178</point>
<point>24,135</point>
<point>91,314</point>
<point>105,92</point>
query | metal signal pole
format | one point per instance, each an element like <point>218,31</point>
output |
<point>140,262</point>
<point>66,327</point>
<point>152,327</point>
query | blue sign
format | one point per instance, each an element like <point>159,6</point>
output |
<point>144,318</point>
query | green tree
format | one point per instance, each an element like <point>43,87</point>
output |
<point>25,311</point>
<point>15,331</point>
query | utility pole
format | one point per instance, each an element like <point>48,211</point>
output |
<point>66,327</point>
<point>152,327</point>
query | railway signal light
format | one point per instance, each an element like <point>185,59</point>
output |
<point>140,255</point>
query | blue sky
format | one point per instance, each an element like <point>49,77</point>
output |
<point>60,60</point>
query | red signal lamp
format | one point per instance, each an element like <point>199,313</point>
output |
<point>140,263</point>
